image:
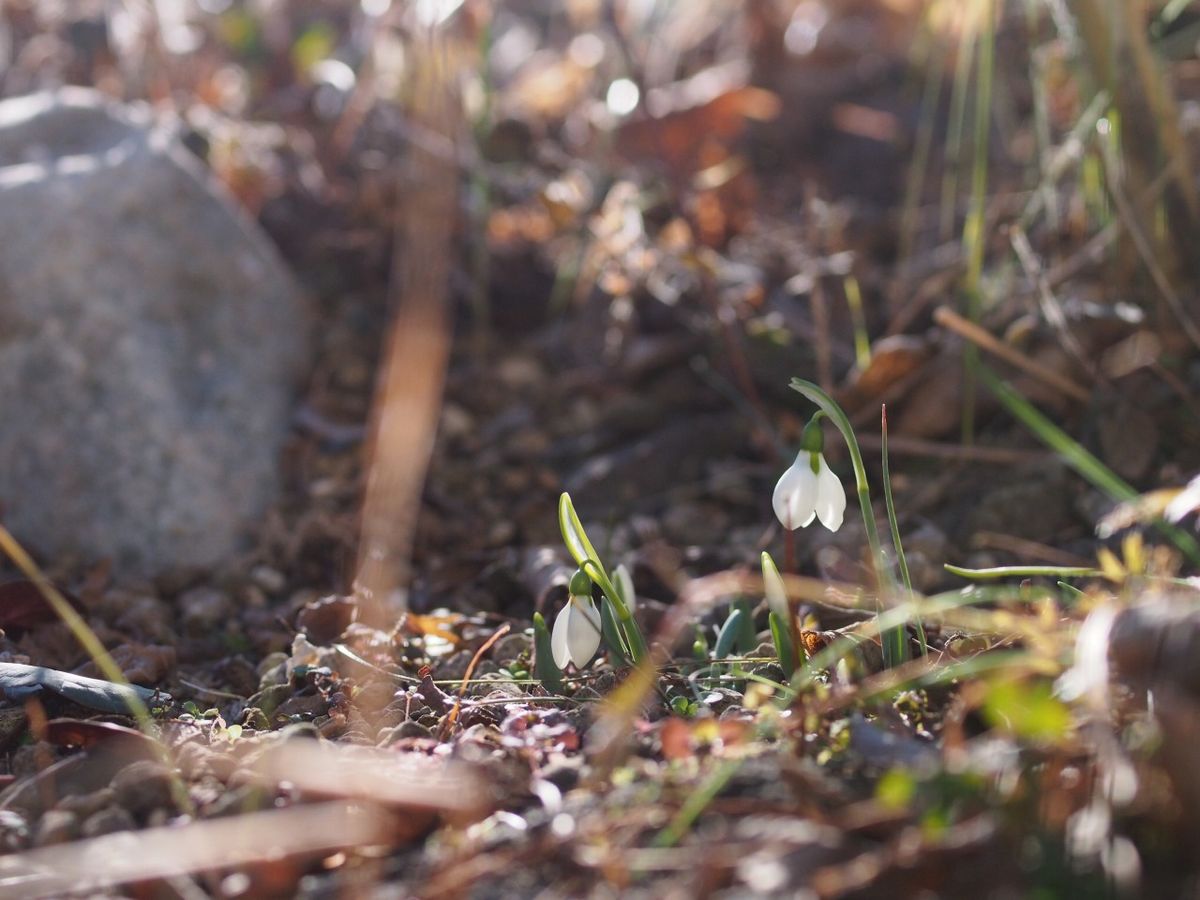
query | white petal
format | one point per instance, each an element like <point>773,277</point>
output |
<point>831,498</point>
<point>795,496</point>
<point>583,630</point>
<point>558,638</point>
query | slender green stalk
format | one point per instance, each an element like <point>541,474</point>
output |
<point>1078,458</point>
<point>958,117</point>
<point>930,98</point>
<point>974,229</point>
<point>862,341</point>
<point>696,803</point>
<point>894,525</point>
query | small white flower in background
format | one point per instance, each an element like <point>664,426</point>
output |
<point>776,592</point>
<point>809,489</point>
<point>576,635</point>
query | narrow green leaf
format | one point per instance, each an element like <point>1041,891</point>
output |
<point>1023,572</point>
<point>783,645</point>
<point>894,525</point>
<point>618,654</point>
<point>543,657</point>
<point>729,633</point>
<point>1077,457</point>
<point>573,535</point>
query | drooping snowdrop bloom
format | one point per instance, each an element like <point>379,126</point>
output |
<point>809,489</point>
<point>576,635</point>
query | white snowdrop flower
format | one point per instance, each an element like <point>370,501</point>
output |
<point>809,489</point>
<point>576,635</point>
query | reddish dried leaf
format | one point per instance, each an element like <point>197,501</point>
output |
<point>436,625</point>
<point>326,619</point>
<point>675,137</point>
<point>86,734</point>
<point>144,664</point>
<point>893,359</point>
<point>22,607</point>
<point>682,739</point>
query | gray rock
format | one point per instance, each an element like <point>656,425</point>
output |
<point>150,339</point>
<point>56,827</point>
<point>107,821</point>
<point>144,786</point>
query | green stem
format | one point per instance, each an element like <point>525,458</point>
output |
<point>894,525</point>
<point>633,634</point>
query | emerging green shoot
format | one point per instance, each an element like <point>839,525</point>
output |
<point>588,560</point>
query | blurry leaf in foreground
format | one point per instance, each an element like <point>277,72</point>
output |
<point>682,739</point>
<point>1027,709</point>
<point>690,113</point>
<point>114,859</point>
<point>20,682</point>
<point>1186,501</point>
<point>1143,509</point>
<point>896,789</point>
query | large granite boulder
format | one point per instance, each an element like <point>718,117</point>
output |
<point>150,342</point>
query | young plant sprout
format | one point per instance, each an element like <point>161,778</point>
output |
<point>773,587</point>
<point>783,624</point>
<point>616,623</point>
<point>809,489</point>
<point>576,636</point>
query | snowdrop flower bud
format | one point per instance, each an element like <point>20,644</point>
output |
<point>809,489</point>
<point>773,587</point>
<point>576,635</point>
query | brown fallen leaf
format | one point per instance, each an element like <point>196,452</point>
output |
<point>86,733</point>
<point>682,739</point>
<point>140,663</point>
<point>715,106</point>
<point>23,606</point>
<point>324,620</point>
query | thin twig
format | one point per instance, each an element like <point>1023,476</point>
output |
<point>985,340</point>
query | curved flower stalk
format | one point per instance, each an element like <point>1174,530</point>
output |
<point>809,489</point>
<point>576,635</point>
